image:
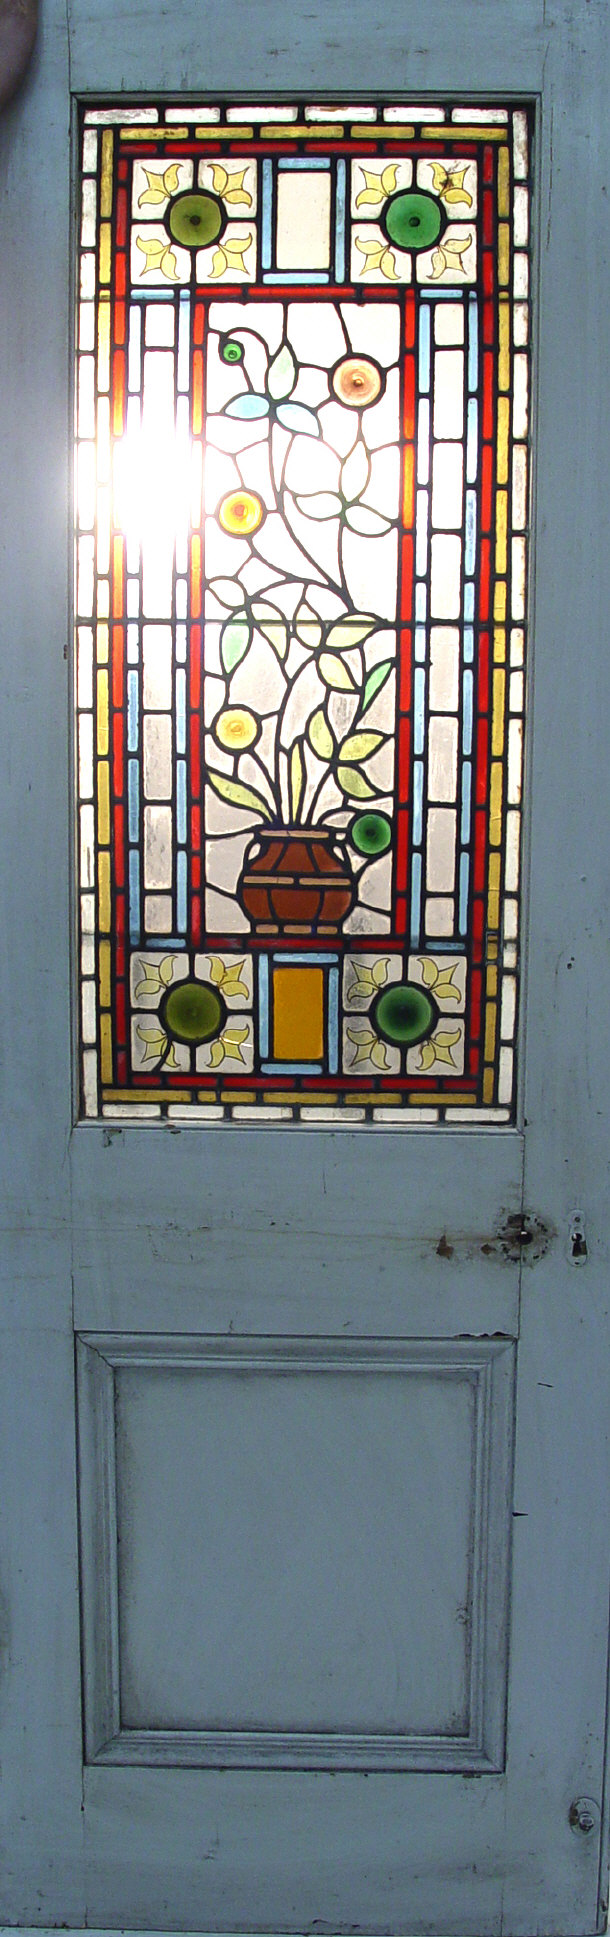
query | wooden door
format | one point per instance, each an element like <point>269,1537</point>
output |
<point>305,1590</point>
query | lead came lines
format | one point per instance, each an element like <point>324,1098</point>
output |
<point>187,209</point>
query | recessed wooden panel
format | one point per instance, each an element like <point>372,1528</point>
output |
<point>297,1542</point>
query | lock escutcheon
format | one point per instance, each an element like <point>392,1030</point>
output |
<point>583,1815</point>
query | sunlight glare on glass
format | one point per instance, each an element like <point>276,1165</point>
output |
<point>156,476</point>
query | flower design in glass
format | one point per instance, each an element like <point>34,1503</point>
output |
<point>302,481</point>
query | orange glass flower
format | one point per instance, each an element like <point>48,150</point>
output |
<point>236,728</point>
<point>240,513</point>
<point>356,381</point>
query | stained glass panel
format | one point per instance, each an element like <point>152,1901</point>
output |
<point>302,484</point>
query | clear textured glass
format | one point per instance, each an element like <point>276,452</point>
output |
<point>301,491</point>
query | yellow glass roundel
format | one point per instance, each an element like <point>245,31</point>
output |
<point>240,513</point>
<point>235,728</point>
<point>356,381</point>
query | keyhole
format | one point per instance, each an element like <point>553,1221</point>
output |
<point>577,1242</point>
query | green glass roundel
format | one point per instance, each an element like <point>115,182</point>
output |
<point>413,219</point>
<point>371,833</point>
<point>195,219</point>
<point>193,1012</point>
<point>231,350</point>
<point>404,1013</point>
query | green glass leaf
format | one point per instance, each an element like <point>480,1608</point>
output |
<point>234,641</point>
<point>369,524</point>
<point>281,374</point>
<point>320,505</point>
<point>355,472</point>
<point>273,626</point>
<point>297,780</point>
<point>320,736</point>
<point>238,795</point>
<point>228,591</point>
<point>360,745</point>
<point>307,626</point>
<point>296,417</point>
<point>334,673</point>
<point>373,684</point>
<point>350,632</point>
<point>354,784</point>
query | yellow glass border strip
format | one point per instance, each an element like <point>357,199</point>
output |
<point>496,811</point>
<point>444,131</point>
<point>106,173</point>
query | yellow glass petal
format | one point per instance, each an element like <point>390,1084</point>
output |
<point>439,177</point>
<point>219,264</point>
<point>156,191</point>
<point>374,191</point>
<point>457,195</point>
<point>235,248</point>
<point>388,179</point>
<point>167,265</point>
<point>171,178</point>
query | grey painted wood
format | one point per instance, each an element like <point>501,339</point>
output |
<point>255,1599</point>
<point>100,1647</point>
<point>311,1234</point>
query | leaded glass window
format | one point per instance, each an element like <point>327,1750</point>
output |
<point>302,508</point>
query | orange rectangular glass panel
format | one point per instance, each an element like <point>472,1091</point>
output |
<point>298,1014</point>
